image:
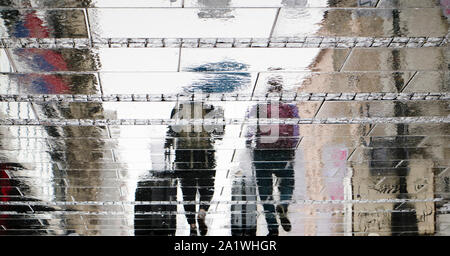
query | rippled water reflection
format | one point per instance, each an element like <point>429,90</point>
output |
<point>368,178</point>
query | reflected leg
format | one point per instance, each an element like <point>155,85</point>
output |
<point>265,188</point>
<point>188,187</point>
<point>205,184</point>
<point>286,187</point>
<point>286,181</point>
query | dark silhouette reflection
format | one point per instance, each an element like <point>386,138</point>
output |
<point>273,149</point>
<point>194,161</point>
<point>190,156</point>
<point>401,222</point>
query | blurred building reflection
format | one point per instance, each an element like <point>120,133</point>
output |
<point>43,24</point>
<point>403,177</point>
<point>74,160</point>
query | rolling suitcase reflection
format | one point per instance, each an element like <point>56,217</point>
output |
<point>244,215</point>
<point>157,219</point>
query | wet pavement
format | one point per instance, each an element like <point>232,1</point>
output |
<point>224,117</point>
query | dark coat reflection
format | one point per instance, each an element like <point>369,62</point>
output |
<point>194,161</point>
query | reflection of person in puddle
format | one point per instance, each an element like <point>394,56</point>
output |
<point>194,159</point>
<point>273,148</point>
